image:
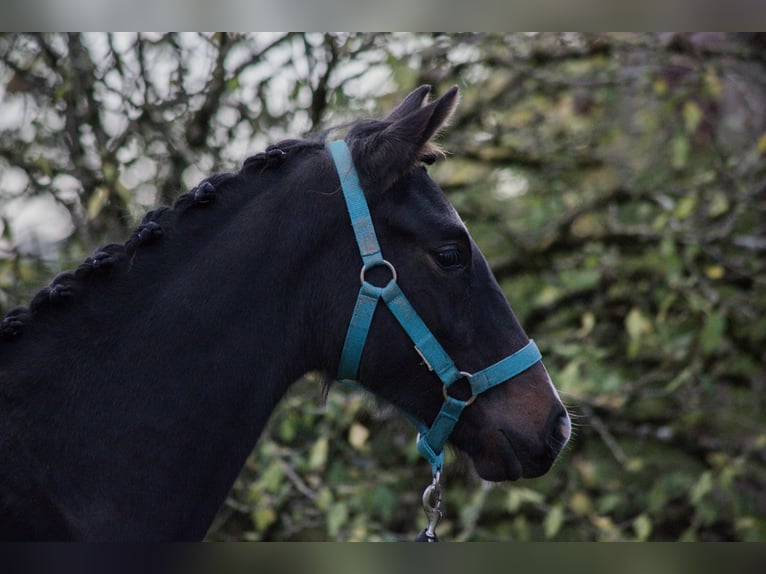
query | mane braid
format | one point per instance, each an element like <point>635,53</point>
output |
<point>108,257</point>
<point>275,154</point>
<point>112,256</point>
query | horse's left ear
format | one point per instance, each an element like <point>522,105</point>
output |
<point>388,154</point>
<point>417,128</point>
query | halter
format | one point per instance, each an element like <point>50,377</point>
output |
<point>431,439</point>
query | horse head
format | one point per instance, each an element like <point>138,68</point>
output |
<point>518,426</point>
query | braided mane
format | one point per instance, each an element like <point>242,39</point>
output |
<point>113,257</point>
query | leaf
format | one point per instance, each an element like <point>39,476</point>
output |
<point>719,204</point>
<point>569,377</point>
<point>318,454</point>
<point>692,116</point>
<point>287,429</point>
<point>358,435</point>
<point>324,499</point>
<point>703,486</point>
<point>263,518</point>
<point>715,271</point>
<point>547,295</point>
<point>271,479</point>
<point>636,324</point>
<point>609,502</point>
<point>553,521</point>
<point>580,503</point>
<point>762,144</point>
<point>232,84</point>
<point>519,496</point>
<point>713,83</point>
<point>642,526</point>
<point>587,323</point>
<point>635,464</point>
<point>336,518</point>
<point>607,528</point>
<point>685,207</point>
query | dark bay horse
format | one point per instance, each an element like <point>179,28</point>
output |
<point>133,389</point>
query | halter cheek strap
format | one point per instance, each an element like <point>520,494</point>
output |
<point>431,439</point>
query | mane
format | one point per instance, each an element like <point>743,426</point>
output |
<point>114,257</point>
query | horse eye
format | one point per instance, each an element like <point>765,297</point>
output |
<point>449,258</point>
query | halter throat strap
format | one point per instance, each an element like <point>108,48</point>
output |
<point>431,439</point>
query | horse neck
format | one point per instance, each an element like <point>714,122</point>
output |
<point>152,388</point>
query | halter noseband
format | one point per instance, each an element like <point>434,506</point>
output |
<point>431,439</point>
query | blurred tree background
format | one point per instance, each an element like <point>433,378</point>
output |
<point>616,183</point>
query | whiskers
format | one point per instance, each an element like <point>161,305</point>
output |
<point>578,418</point>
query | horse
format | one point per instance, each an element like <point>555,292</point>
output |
<point>133,388</point>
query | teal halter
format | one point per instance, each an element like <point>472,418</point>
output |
<point>431,439</point>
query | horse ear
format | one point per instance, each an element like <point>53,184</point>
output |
<point>412,103</point>
<point>404,137</point>
<point>415,129</point>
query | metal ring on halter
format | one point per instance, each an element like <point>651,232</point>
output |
<point>466,376</point>
<point>383,263</point>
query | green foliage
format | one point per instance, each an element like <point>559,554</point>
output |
<point>616,183</point>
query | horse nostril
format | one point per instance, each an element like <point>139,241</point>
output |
<point>559,426</point>
<point>564,426</point>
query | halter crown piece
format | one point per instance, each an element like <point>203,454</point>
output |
<point>431,439</point>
